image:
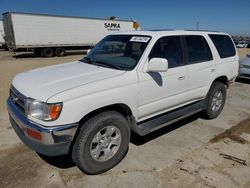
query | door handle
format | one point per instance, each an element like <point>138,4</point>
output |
<point>213,70</point>
<point>181,77</point>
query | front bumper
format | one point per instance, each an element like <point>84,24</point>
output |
<point>244,76</point>
<point>52,141</point>
<point>244,73</point>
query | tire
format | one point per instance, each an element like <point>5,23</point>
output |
<point>48,52</point>
<point>85,145</point>
<point>215,102</point>
<point>60,52</point>
<point>5,47</point>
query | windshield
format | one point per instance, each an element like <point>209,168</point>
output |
<point>118,51</point>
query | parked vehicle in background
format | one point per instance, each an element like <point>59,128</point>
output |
<point>248,46</point>
<point>2,41</point>
<point>244,71</point>
<point>242,44</point>
<point>129,82</point>
<point>49,35</point>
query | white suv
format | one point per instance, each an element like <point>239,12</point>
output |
<point>135,81</point>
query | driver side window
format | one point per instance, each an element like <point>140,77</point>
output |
<point>169,48</point>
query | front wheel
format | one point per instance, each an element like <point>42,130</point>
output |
<point>215,100</point>
<point>101,143</point>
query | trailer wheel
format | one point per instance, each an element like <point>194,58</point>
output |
<point>48,52</point>
<point>60,52</point>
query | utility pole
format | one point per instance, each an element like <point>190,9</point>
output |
<point>197,26</point>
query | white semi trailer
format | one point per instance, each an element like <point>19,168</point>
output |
<point>49,35</point>
<point>2,42</point>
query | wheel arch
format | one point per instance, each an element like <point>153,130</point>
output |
<point>118,107</point>
<point>223,79</point>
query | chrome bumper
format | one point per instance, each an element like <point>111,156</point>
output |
<point>52,141</point>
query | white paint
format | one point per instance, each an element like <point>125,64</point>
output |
<point>31,30</point>
<point>1,33</point>
<point>83,88</point>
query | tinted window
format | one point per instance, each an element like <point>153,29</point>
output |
<point>197,49</point>
<point>224,45</point>
<point>169,48</point>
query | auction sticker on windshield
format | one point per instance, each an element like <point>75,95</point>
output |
<point>139,39</point>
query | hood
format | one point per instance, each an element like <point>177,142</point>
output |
<point>45,82</point>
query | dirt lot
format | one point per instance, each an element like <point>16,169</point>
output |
<point>191,153</point>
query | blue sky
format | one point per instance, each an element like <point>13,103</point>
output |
<point>229,16</point>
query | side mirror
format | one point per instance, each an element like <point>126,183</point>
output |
<point>157,65</point>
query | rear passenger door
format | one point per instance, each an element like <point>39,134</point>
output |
<point>200,65</point>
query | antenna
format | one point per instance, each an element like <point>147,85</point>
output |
<point>197,26</point>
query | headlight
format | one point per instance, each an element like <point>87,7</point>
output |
<point>43,111</point>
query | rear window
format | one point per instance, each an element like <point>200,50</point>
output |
<point>197,49</point>
<point>224,45</point>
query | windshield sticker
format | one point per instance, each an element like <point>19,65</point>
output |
<point>139,39</point>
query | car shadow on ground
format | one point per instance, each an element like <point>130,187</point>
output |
<point>65,161</point>
<point>243,80</point>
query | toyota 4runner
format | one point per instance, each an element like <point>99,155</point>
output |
<point>129,82</point>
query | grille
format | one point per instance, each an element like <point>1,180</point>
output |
<point>246,66</point>
<point>246,75</point>
<point>18,99</point>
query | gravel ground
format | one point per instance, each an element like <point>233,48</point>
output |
<point>190,153</point>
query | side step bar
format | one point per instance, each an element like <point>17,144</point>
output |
<point>148,126</point>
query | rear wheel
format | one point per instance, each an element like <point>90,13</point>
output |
<point>48,52</point>
<point>101,143</point>
<point>60,52</point>
<point>215,100</point>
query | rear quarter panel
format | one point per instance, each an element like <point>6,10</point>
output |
<point>228,67</point>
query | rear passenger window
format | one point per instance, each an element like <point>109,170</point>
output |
<point>169,48</point>
<point>224,45</point>
<point>197,49</point>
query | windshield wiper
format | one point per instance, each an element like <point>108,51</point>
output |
<point>107,64</point>
<point>88,60</point>
<point>85,59</point>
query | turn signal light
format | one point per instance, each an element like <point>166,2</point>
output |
<point>54,111</point>
<point>34,134</point>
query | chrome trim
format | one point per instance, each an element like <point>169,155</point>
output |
<point>18,99</point>
<point>17,93</point>
<point>50,135</point>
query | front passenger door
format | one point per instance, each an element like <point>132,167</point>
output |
<point>161,91</point>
